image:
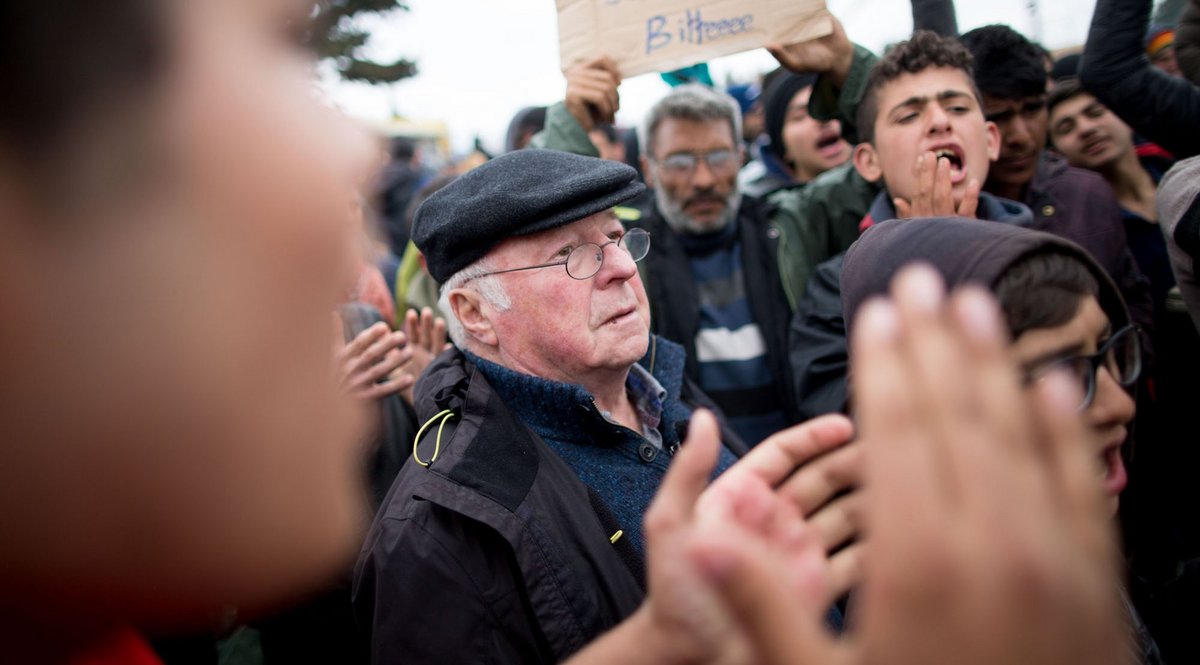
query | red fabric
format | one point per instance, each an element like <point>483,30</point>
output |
<point>866,223</point>
<point>124,647</point>
<point>1148,149</point>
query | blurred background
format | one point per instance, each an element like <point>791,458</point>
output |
<point>477,62</point>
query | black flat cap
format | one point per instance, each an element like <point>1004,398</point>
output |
<point>516,194</point>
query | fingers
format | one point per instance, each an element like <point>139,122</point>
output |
<point>412,327</point>
<point>926,168</point>
<point>970,201</point>
<point>398,382</point>
<point>593,85</point>
<point>426,332</point>
<point>820,480</point>
<point>372,355</point>
<point>846,571</point>
<point>935,191</point>
<point>426,327</point>
<point>433,332</point>
<point>931,357</point>
<point>362,340</point>
<point>903,209</point>
<point>1069,452</point>
<point>379,350</point>
<point>751,581</point>
<point>1001,407</point>
<point>686,477</point>
<point>438,343</point>
<point>838,522</point>
<point>778,456</point>
<point>943,190</point>
<point>898,461</point>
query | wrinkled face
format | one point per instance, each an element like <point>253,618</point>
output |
<point>934,110</point>
<point>167,362</point>
<point>704,198</point>
<point>567,329</point>
<point>1112,409</point>
<point>1088,134</point>
<point>812,146</point>
<point>1022,124</point>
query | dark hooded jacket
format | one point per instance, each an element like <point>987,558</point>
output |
<point>817,340</point>
<point>497,552</point>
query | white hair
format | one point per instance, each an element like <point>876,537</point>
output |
<point>487,286</point>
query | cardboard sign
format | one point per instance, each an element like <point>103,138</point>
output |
<point>663,35</point>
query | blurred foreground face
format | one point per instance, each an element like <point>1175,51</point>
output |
<point>171,436</point>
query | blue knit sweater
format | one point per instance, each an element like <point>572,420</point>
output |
<point>620,465</point>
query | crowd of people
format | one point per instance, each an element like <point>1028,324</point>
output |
<point>886,358</point>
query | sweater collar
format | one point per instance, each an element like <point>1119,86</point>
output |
<point>567,411</point>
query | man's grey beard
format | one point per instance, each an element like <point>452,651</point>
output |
<point>681,222</point>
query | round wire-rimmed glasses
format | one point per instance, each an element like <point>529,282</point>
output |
<point>585,260</point>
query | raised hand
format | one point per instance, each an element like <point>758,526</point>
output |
<point>426,339</point>
<point>369,365</point>
<point>832,54</point>
<point>935,192</point>
<point>592,92</point>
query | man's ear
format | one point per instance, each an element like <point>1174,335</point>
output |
<point>647,172</point>
<point>993,141</point>
<point>866,162</point>
<point>474,314</point>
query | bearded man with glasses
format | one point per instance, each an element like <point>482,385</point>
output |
<point>515,532</point>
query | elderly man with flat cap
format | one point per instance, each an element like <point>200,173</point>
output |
<point>515,532</point>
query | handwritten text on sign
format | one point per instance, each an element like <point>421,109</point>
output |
<point>662,35</point>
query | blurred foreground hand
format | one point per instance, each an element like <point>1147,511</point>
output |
<point>988,537</point>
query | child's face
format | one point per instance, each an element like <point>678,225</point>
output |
<point>1111,409</point>
<point>934,110</point>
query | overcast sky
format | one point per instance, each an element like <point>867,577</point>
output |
<point>482,60</point>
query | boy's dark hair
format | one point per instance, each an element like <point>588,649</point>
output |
<point>1042,290</point>
<point>1007,65</point>
<point>923,50</point>
<point>1064,90</point>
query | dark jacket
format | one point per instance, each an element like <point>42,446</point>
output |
<point>1116,69</point>
<point>497,552</point>
<point>675,301</point>
<point>818,342</point>
<point>1077,204</point>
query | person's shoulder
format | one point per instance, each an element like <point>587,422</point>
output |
<point>840,176</point>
